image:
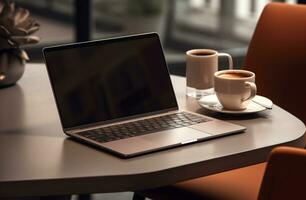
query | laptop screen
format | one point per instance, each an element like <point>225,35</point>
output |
<point>104,80</point>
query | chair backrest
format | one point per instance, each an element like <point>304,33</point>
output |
<point>277,55</point>
<point>285,175</point>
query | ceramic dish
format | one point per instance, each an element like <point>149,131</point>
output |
<point>258,104</point>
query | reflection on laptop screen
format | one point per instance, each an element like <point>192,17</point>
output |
<point>104,80</point>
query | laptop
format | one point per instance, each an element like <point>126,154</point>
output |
<point>116,94</point>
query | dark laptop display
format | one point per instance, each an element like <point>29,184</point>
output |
<point>109,79</point>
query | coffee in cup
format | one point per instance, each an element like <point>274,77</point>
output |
<point>201,64</point>
<point>235,88</point>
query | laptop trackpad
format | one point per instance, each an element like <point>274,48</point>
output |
<point>217,127</point>
<point>175,136</point>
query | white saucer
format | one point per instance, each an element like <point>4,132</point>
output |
<point>211,102</point>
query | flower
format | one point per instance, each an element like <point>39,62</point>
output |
<point>16,27</point>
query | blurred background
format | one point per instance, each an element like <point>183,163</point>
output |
<point>224,25</point>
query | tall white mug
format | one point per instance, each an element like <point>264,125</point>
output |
<point>201,64</point>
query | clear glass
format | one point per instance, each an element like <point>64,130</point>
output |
<point>195,93</point>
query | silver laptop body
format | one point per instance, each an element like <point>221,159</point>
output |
<point>119,82</point>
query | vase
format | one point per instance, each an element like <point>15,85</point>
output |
<point>11,67</point>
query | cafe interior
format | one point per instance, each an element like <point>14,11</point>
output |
<point>265,37</point>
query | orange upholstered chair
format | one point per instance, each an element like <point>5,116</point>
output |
<point>284,179</point>
<point>285,175</point>
<point>277,55</point>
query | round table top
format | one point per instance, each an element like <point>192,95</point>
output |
<point>36,158</point>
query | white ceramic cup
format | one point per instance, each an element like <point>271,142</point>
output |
<point>201,64</point>
<point>235,88</point>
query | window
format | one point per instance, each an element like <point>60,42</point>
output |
<point>224,25</point>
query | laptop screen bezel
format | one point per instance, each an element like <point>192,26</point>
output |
<point>46,50</point>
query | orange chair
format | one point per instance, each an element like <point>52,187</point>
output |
<point>284,179</point>
<point>277,55</point>
<point>285,175</point>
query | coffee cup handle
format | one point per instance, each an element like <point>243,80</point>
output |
<point>229,57</point>
<point>253,89</point>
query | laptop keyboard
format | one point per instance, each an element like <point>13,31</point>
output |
<point>142,127</point>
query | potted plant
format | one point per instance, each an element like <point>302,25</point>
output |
<point>16,27</point>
